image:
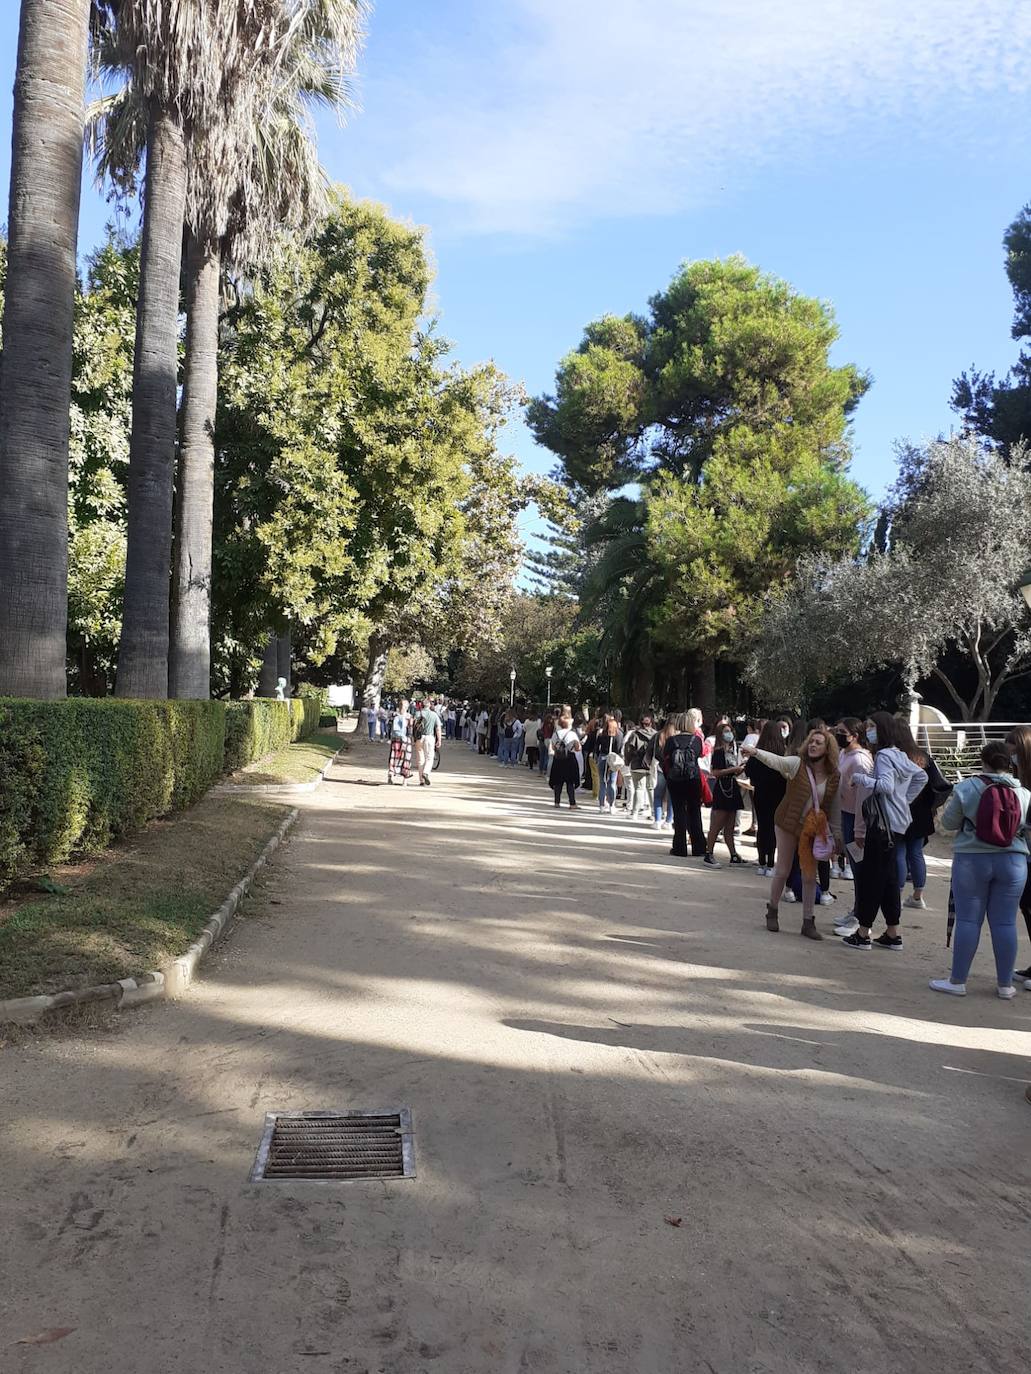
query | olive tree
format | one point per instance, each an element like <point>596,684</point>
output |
<point>957,529</point>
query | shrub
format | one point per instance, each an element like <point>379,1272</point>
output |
<point>77,774</point>
<point>259,727</point>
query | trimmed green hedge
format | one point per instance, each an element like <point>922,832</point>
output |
<point>77,774</point>
<point>259,727</point>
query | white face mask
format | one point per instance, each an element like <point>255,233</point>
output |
<point>785,730</point>
<point>728,736</point>
<point>871,735</point>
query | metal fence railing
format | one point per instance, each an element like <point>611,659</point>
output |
<point>957,745</point>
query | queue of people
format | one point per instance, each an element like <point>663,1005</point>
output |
<point>856,801</point>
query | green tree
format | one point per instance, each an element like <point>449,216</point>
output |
<point>942,602</point>
<point>35,380</point>
<point>723,407</point>
<point>1000,411</point>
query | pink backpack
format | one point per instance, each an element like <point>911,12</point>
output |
<point>999,815</point>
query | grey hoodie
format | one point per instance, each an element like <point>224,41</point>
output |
<point>897,780</point>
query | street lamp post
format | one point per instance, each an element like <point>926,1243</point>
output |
<point>547,673</point>
<point>511,694</point>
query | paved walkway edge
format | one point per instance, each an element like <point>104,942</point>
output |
<point>171,982</point>
<point>278,789</point>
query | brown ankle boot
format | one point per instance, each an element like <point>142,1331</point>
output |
<point>771,918</point>
<point>809,930</point>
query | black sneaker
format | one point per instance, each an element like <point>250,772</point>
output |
<point>857,941</point>
<point>712,862</point>
<point>887,941</point>
<point>737,859</point>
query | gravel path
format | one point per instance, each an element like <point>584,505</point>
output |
<point>650,1138</point>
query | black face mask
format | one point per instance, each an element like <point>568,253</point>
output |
<point>842,739</point>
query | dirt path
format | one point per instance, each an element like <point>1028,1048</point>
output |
<point>592,1040</point>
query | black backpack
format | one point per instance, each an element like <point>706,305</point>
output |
<point>559,748</point>
<point>681,760</point>
<point>509,732</point>
<point>418,727</point>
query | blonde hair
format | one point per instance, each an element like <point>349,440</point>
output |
<point>830,744</point>
<point>693,719</point>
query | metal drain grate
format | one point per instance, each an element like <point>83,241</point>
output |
<point>335,1146</point>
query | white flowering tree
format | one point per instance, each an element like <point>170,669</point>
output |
<point>959,539</point>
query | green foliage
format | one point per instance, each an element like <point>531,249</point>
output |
<point>723,407</point>
<point>79,774</point>
<point>262,726</point>
<point>357,478</point>
<point>1000,410</point>
<point>942,600</point>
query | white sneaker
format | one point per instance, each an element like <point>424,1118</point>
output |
<point>789,896</point>
<point>846,926</point>
<point>1027,984</point>
<point>915,903</point>
<point>826,899</point>
<point>837,871</point>
<point>667,825</point>
<point>1006,993</point>
<point>763,872</point>
<point>953,989</point>
<point>656,825</point>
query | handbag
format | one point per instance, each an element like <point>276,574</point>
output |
<point>823,845</point>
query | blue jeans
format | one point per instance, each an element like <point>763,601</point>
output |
<point>987,885</point>
<point>910,857</point>
<point>372,727</point>
<point>505,747</point>
<point>606,784</point>
<point>662,803</point>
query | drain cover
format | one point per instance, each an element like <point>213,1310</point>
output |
<point>335,1146</point>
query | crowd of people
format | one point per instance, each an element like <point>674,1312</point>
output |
<point>854,802</point>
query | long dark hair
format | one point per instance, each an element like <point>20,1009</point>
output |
<point>771,739</point>
<point>887,727</point>
<point>908,744</point>
<point>1019,740</point>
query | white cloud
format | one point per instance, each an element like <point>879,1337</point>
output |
<point>544,113</point>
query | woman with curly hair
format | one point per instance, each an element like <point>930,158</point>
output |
<point>807,821</point>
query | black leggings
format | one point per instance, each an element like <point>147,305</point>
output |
<point>686,797</point>
<point>877,882</point>
<point>766,839</point>
<point>570,787</point>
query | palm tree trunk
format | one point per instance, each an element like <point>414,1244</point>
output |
<point>189,664</point>
<point>269,668</point>
<point>143,650</point>
<point>36,377</point>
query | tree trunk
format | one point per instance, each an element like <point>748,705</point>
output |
<point>705,688</point>
<point>143,650</point>
<point>283,653</point>
<point>189,662</point>
<point>269,668</point>
<point>376,671</point>
<point>36,377</point>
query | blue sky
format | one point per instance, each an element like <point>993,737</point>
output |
<point>566,156</point>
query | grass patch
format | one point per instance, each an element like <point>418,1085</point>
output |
<point>141,907</point>
<point>300,762</point>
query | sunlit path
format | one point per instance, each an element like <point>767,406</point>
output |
<point>650,1138</point>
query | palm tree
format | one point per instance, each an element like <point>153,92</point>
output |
<point>35,380</point>
<point>219,73</point>
<point>240,211</point>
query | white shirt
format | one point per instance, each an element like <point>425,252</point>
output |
<point>750,740</point>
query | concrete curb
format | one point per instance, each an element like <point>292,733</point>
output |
<point>171,982</point>
<point>277,789</point>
